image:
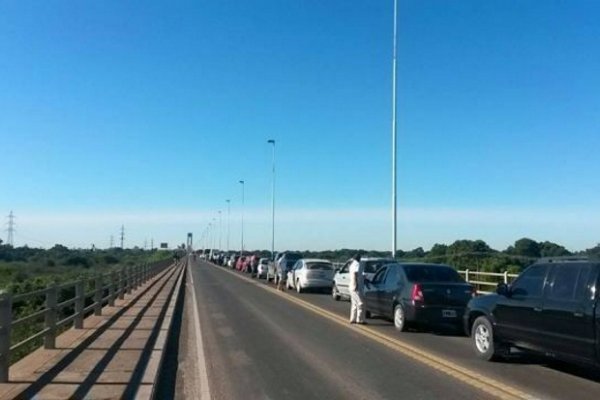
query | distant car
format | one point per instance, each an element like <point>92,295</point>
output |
<point>253,264</point>
<point>310,273</point>
<point>285,263</point>
<point>341,280</point>
<point>247,264</point>
<point>261,270</point>
<point>420,293</point>
<point>239,264</point>
<point>231,263</point>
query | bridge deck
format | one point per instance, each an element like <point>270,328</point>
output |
<point>116,355</point>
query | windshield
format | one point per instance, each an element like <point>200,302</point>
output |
<point>431,273</point>
<point>319,265</point>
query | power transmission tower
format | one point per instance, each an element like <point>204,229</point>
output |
<point>152,244</point>
<point>10,240</point>
<point>122,235</point>
<point>145,244</point>
<point>112,242</point>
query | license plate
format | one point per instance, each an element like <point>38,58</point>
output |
<point>449,313</point>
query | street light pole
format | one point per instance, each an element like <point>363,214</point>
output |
<point>220,229</point>
<point>242,249</point>
<point>271,141</point>
<point>228,212</point>
<point>394,133</point>
<point>214,236</point>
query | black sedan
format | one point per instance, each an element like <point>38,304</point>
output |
<point>411,293</point>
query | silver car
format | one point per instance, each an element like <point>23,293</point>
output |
<point>262,269</point>
<point>310,273</point>
<point>341,280</point>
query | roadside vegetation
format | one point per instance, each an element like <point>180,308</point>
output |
<point>26,269</point>
<point>475,255</point>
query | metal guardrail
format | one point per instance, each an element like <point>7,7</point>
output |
<point>476,278</point>
<point>106,289</point>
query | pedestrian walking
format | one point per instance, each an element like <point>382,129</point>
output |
<point>357,287</point>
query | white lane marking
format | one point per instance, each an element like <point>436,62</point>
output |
<point>204,385</point>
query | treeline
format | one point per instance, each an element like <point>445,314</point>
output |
<point>467,254</point>
<point>23,269</point>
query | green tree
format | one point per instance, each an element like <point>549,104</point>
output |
<point>549,249</point>
<point>526,247</point>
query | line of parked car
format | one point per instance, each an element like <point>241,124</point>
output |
<point>551,308</point>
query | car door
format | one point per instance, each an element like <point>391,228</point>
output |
<point>390,290</point>
<point>568,311</point>
<point>344,279</point>
<point>519,314</point>
<point>373,291</point>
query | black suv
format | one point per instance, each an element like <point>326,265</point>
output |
<point>551,308</point>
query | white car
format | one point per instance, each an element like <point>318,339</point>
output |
<point>341,280</point>
<point>262,269</point>
<point>310,273</point>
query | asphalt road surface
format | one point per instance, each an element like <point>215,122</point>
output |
<point>260,344</point>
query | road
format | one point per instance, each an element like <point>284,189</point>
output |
<point>261,344</point>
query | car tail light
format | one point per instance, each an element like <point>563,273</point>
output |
<point>417,293</point>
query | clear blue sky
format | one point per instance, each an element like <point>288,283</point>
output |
<point>148,113</point>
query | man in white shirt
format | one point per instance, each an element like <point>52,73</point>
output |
<point>357,285</point>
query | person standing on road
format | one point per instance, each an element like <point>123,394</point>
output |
<point>357,285</point>
<point>281,275</point>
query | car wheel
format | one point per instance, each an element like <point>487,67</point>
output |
<point>298,287</point>
<point>399,318</point>
<point>482,333</point>
<point>335,293</point>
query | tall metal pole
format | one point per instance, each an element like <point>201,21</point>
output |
<point>220,230</point>
<point>228,212</point>
<point>394,133</point>
<point>273,204</point>
<point>242,249</point>
<point>214,235</point>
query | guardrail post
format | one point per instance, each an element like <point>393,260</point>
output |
<point>136,276</point>
<point>506,277</point>
<point>112,277</point>
<point>79,304</point>
<point>121,283</point>
<point>128,269</point>
<point>5,328</point>
<point>467,275</point>
<point>98,295</point>
<point>50,317</point>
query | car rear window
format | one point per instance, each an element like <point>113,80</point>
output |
<point>431,273</point>
<point>319,265</point>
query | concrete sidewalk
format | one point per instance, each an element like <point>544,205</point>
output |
<point>116,355</point>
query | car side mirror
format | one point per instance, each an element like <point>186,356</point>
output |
<point>503,289</point>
